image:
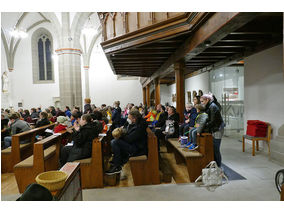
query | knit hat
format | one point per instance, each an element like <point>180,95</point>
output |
<point>61,119</point>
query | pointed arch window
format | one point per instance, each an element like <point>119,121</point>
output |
<point>42,57</point>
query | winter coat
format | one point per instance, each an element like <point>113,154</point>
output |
<point>59,128</point>
<point>151,116</point>
<point>137,136</point>
<point>175,118</point>
<point>19,126</point>
<point>191,115</point>
<point>214,117</point>
<point>162,119</point>
<point>42,122</point>
<point>87,109</point>
<point>116,117</point>
<point>201,119</point>
<point>82,147</point>
<point>68,113</point>
<point>34,115</point>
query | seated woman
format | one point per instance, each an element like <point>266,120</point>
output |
<point>61,124</point>
<point>82,137</point>
<point>132,143</point>
<point>43,120</point>
<point>26,116</point>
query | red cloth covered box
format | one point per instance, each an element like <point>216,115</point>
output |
<point>256,128</point>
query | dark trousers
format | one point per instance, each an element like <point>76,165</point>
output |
<point>64,154</point>
<point>183,129</point>
<point>217,153</point>
<point>121,151</point>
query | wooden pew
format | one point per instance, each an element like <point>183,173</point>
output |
<point>282,193</point>
<point>45,158</point>
<point>72,190</point>
<point>92,168</point>
<point>195,160</point>
<point>18,152</point>
<point>145,169</point>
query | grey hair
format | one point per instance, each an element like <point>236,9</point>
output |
<point>207,96</point>
<point>135,113</point>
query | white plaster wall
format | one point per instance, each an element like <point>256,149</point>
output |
<point>104,86</point>
<point>264,87</point>
<point>21,79</point>
<point>165,94</point>
<point>198,82</point>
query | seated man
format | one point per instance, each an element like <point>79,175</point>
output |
<point>16,126</point>
<point>170,128</point>
<point>132,143</point>
<point>163,115</point>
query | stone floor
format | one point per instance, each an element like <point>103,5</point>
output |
<point>259,185</point>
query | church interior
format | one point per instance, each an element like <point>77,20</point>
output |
<point>145,59</point>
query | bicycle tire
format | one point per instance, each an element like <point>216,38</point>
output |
<point>278,181</point>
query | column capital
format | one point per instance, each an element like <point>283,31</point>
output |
<point>62,51</point>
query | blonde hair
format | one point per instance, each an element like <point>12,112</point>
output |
<point>87,100</point>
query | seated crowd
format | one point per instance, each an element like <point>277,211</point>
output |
<point>128,127</point>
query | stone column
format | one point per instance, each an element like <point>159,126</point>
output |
<point>87,88</point>
<point>69,62</point>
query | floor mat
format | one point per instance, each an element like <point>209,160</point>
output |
<point>231,174</point>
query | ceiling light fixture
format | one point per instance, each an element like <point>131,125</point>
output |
<point>89,29</point>
<point>16,33</point>
<point>207,43</point>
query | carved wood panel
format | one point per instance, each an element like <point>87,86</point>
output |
<point>119,25</point>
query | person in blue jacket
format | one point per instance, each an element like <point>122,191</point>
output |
<point>190,115</point>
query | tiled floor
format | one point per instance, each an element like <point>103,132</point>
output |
<point>258,170</point>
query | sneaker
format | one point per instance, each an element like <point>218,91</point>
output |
<point>193,147</point>
<point>113,170</point>
<point>188,144</point>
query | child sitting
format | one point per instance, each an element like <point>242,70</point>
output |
<point>198,127</point>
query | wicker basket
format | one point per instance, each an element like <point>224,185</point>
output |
<point>52,180</point>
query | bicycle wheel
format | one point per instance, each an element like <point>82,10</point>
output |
<point>279,179</point>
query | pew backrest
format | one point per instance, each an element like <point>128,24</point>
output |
<point>30,135</point>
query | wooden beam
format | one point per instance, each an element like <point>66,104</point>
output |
<point>144,96</point>
<point>148,95</point>
<point>214,29</point>
<point>179,68</point>
<point>157,91</point>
